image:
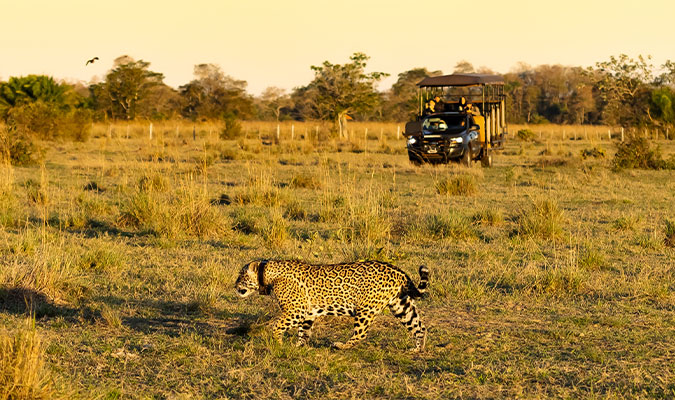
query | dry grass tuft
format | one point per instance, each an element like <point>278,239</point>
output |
<point>23,374</point>
<point>670,233</point>
<point>462,185</point>
<point>305,181</point>
<point>543,219</point>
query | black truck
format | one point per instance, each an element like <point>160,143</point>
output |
<point>461,118</point>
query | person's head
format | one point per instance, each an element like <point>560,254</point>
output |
<point>436,98</point>
<point>462,101</point>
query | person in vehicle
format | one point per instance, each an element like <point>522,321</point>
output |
<point>462,104</point>
<point>471,109</point>
<point>434,105</point>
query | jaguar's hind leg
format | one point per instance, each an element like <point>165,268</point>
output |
<point>361,326</point>
<point>404,309</point>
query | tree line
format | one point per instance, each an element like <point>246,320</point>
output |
<point>620,91</point>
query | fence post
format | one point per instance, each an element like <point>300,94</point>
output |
<point>365,141</point>
<point>194,133</point>
<point>622,134</point>
<point>398,132</point>
<point>151,131</point>
<point>278,132</point>
<point>609,134</point>
<point>563,134</point>
<point>292,131</point>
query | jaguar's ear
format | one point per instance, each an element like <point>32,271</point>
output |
<point>252,267</point>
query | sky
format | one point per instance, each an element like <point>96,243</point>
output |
<point>274,43</point>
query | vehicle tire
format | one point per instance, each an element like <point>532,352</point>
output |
<point>486,161</point>
<point>466,158</point>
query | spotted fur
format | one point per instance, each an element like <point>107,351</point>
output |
<point>361,290</point>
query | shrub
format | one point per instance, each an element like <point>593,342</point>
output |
<point>232,128</point>
<point>595,152</point>
<point>636,153</point>
<point>463,185</point>
<point>49,121</point>
<point>525,135</point>
<point>18,148</point>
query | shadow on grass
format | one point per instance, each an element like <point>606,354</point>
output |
<point>19,300</point>
<point>174,318</point>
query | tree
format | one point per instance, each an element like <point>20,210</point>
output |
<point>273,100</point>
<point>125,87</point>
<point>662,104</point>
<point>338,90</point>
<point>401,102</point>
<point>31,88</point>
<point>212,94</point>
<point>624,86</point>
<point>464,67</point>
<point>37,104</point>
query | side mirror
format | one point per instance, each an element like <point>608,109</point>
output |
<point>413,128</point>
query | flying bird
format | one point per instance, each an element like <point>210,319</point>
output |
<point>91,61</point>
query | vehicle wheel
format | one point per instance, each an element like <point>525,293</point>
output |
<point>466,159</point>
<point>486,161</point>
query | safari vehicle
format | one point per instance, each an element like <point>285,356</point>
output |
<point>467,124</point>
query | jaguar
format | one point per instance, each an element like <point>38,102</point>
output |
<point>359,289</point>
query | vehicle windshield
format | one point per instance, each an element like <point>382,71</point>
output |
<point>445,124</point>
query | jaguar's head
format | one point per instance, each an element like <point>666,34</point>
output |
<point>247,282</point>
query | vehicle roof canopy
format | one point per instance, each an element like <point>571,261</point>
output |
<point>461,80</point>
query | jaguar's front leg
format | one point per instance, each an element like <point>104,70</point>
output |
<point>361,325</point>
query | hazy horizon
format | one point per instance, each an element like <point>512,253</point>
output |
<point>275,43</point>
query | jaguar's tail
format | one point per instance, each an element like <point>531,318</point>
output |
<point>421,289</point>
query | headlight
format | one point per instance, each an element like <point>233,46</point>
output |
<point>456,139</point>
<point>412,140</point>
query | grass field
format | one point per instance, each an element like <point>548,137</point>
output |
<point>551,274</point>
